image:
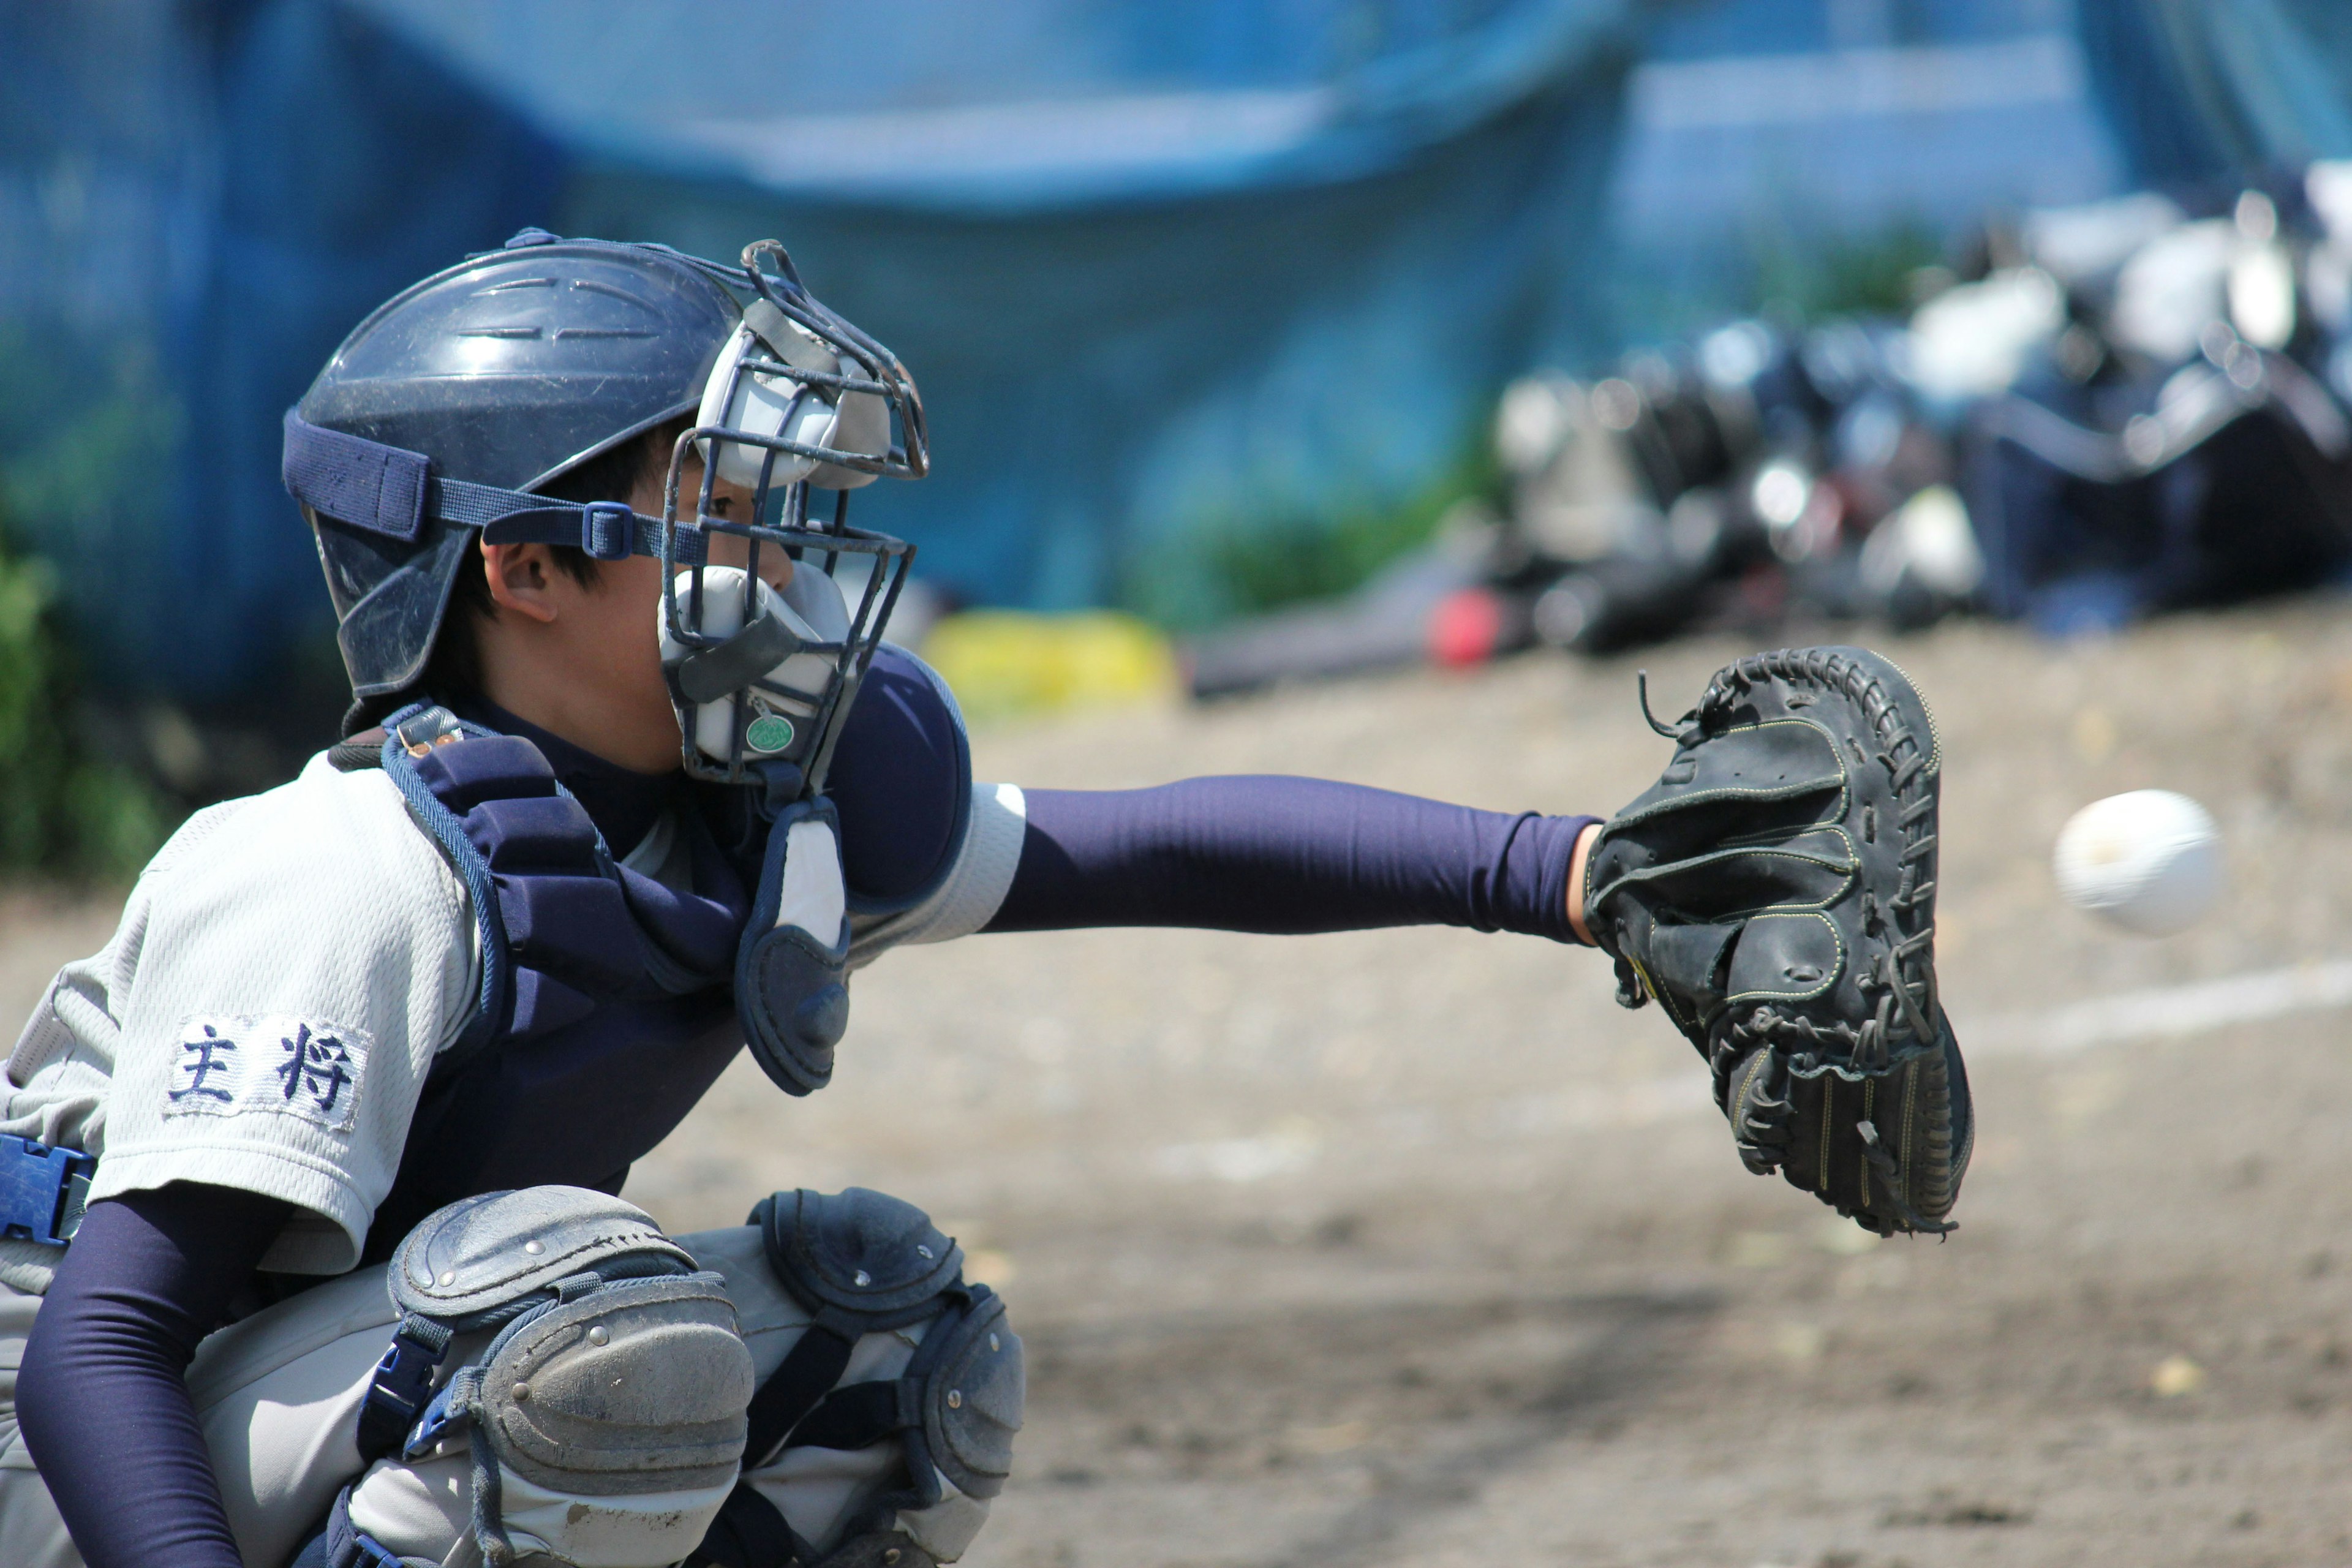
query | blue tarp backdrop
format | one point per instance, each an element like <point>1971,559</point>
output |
<point>1158,274</point>
<point>2200,90</point>
<point>1164,272</point>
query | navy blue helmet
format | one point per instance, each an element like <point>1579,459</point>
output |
<point>452,404</point>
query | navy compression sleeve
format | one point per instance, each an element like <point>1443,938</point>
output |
<point>102,1397</point>
<point>1286,855</point>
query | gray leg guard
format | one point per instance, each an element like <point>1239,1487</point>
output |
<point>889,1389</point>
<point>563,1384</point>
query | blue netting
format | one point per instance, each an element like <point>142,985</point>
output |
<point>1157,275</point>
<point>1164,272</point>
<point>2201,91</point>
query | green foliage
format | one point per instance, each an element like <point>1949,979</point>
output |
<point>1845,274</point>
<point>1786,271</point>
<point>1246,567</point>
<point>81,431</point>
<point>63,811</point>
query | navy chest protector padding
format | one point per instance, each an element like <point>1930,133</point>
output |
<point>608,1004</point>
<point>901,779</point>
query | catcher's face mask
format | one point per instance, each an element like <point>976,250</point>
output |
<point>799,400</point>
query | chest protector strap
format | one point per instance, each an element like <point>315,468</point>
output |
<point>557,926</point>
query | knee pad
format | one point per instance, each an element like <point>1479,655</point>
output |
<point>888,1425</point>
<point>564,1382</point>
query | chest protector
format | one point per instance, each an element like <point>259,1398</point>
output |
<point>609,1001</point>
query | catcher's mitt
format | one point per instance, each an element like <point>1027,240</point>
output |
<point>1775,892</point>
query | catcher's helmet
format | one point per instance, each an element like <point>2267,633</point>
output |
<point>454,401</point>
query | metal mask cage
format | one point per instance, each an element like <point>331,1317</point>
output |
<point>757,640</point>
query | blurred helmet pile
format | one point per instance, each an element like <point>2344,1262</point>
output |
<point>2125,409</point>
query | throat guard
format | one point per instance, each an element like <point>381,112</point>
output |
<point>791,973</point>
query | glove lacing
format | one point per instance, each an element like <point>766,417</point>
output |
<point>1898,976</point>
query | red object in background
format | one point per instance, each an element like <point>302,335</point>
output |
<point>1466,628</point>
<point>1763,591</point>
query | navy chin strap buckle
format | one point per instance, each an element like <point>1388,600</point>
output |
<point>608,529</point>
<point>42,1189</point>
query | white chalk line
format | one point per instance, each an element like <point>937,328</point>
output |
<point>2163,1011</point>
<point>2153,1013</point>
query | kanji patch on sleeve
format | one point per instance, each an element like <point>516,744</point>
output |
<point>268,1064</point>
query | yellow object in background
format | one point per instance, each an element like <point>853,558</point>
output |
<point>1003,662</point>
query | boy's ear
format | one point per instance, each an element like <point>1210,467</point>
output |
<point>521,579</point>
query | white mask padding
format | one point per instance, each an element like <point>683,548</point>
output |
<point>819,600</point>
<point>813,897</point>
<point>863,425</point>
<point>812,607</point>
<point>778,406</point>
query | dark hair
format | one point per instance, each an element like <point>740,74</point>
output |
<point>455,668</point>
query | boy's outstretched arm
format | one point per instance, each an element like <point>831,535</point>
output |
<point>1282,855</point>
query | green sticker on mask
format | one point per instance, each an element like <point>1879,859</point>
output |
<point>769,733</point>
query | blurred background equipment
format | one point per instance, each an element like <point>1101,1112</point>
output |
<point>1006,662</point>
<point>1216,311</point>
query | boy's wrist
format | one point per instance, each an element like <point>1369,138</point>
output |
<point>1576,862</point>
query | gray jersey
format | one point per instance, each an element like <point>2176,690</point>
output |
<point>285,971</point>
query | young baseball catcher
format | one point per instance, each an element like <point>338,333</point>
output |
<point>313,1247</point>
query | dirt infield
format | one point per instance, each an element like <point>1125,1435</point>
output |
<point>1409,1247</point>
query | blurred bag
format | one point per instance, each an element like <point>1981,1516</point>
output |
<point>2095,504</point>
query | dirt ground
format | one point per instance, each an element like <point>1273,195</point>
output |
<point>1412,1247</point>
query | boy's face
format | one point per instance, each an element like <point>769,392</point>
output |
<point>583,660</point>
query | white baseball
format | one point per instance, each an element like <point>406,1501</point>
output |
<point>2149,860</point>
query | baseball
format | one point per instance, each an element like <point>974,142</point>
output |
<point>2149,860</point>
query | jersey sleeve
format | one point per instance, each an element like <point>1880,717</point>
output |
<point>295,977</point>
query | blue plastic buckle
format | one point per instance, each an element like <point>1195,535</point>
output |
<point>374,1553</point>
<point>42,1189</point>
<point>440,1418</point>
<point>402,1387</point>
<point>608,529</point>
